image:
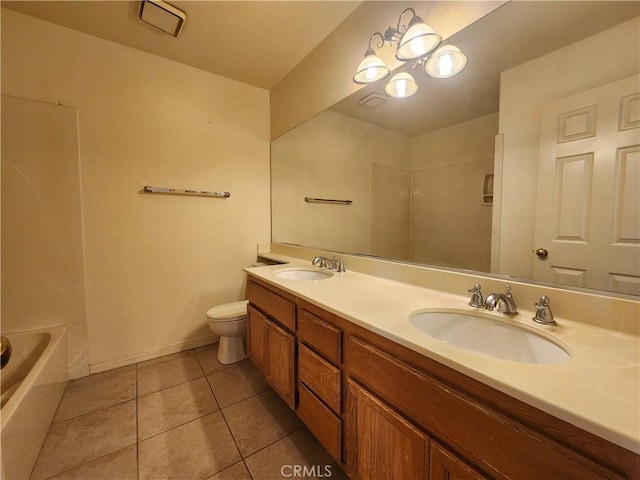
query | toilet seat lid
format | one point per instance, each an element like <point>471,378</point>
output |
<point>228,311</point>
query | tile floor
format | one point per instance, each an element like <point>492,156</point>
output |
<point>182,416</point>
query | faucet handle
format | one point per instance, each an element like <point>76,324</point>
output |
<point>544,315</point>
<point>476,297</point>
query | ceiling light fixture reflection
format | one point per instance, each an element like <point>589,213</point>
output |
<point>417,44</point>
<point>372,68</point>
<point>401,85</point>
<point>445,62</point>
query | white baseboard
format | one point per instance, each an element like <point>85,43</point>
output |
<point>141,357</point>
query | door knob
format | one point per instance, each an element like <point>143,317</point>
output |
<point>542,252</point>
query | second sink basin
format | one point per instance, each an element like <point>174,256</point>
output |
<point>303,274</point>
<point>488,336</point>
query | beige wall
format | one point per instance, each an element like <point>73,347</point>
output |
<point>324,76</point>
<point>153,263</point>
<point>450,226</point>
<point>602,58</point>
<point>331,156</point>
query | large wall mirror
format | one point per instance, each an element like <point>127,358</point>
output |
<point>525,164</point>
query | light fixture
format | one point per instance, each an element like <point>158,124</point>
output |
<point>445,62</point>
<point>418,44</point>
<point>401,85</point>
<point>417,41</point>
<point>162,15</point>
<point>372,68</point>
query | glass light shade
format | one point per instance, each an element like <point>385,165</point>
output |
<point>417,41</point>
<point>445,62</point>
<point>401,85</point>
<point>372,68</point>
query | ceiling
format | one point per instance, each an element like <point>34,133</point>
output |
<point>259,42</point>
<point>255,42</point>
<point>511,35</point>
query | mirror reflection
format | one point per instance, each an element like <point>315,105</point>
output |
<point>526,163</point>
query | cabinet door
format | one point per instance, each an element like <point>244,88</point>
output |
<point>445,465</point>
<point>382,445</point>
<point>280,358</point>
<point>257,339</point>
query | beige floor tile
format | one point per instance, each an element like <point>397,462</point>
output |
<point>196,450</point>
<point>120,465</point>
<point>260,421</point>
<point>97,391</point>
<point>208,358</point>
<point>236,382</point>
<point>158,376</point>
<point>86,438</point>
<point>234,472</point>
<point>174,406</point>
<point>298,450</point>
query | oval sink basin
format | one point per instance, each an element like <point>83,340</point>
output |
<point>489,336</point>
<point>303,274</point>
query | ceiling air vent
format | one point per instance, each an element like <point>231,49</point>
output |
<point>373,100</point>
<point>162,15</point>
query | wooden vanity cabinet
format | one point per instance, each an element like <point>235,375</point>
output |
<point>270,339</point>
<point>257,339</point>
<point>445,465</point>
<point>384,411</point>
<point>384,445</point>
<point>497,445</point>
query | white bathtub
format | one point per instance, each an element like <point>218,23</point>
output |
<point>32,385</point>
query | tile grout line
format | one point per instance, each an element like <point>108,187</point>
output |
<point>220,409</point>
<point>86,463</point>
<point>137,431</point>
<point>137,398</point>
<point>275,441</point>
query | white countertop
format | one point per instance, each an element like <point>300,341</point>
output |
<point>598,389</point>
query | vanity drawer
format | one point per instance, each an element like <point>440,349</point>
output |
<point>321,336</point>
<point>320,376</point>
<point>277,307</point>
<point>324,425</point>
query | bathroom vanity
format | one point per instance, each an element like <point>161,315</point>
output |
<point>384,410</point>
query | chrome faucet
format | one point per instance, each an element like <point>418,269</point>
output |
<point>476,297</point>
<point>504,303</point>
<point>336,264</point>
<point>544,314</point>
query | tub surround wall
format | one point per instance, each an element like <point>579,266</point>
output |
<point>450,226</point>
<point>153,263</point>
<point>42,253</point>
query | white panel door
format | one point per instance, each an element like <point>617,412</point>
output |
<point>588,204</point>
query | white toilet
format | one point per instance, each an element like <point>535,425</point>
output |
<point>229,321</point>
